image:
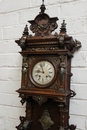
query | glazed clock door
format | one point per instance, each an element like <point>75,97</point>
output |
<point>43,72</point>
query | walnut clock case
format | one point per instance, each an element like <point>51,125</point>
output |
<point>46,73</point>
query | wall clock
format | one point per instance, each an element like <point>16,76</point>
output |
<point>46,73</point>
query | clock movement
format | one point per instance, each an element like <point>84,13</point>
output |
<point>46,73</point>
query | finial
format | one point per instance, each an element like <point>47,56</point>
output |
<point>42,2</point>
<point>43,8</point>
<point>63,27</point>
<point>26,30</point>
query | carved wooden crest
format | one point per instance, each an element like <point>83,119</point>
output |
<point>43,25</point>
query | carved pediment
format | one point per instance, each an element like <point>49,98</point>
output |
<point>43,25</point>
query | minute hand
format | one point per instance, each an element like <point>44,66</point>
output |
<point>42,68</point>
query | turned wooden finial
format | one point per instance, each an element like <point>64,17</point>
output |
<point>25,32</point>
<point>43,8</point>
<point>63,27</point>
<point>42,2</point>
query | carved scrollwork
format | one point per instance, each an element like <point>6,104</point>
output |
<point>77,45</point>
<point>34,28</point>
<point>43,49</point>
<point>54,86</point>
<point>72,93</point>
<point>43,29</point>
<point>73,45</point>
<point>43,25</point>
<point>40,99</point>
<point>24,125</point>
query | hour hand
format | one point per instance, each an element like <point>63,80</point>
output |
<point>38,71</point>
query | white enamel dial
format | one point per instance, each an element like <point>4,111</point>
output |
<point>43,72</point>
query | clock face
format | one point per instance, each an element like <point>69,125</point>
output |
<point>43,72</point>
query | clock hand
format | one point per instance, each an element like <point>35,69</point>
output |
<point>41,68</point>
<point>38,71</point>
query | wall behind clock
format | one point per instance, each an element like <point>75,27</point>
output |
<point>14,15</point>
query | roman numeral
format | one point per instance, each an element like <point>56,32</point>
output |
<point>39,77</point>
<point>42,80</point>
<point>50,72</point>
